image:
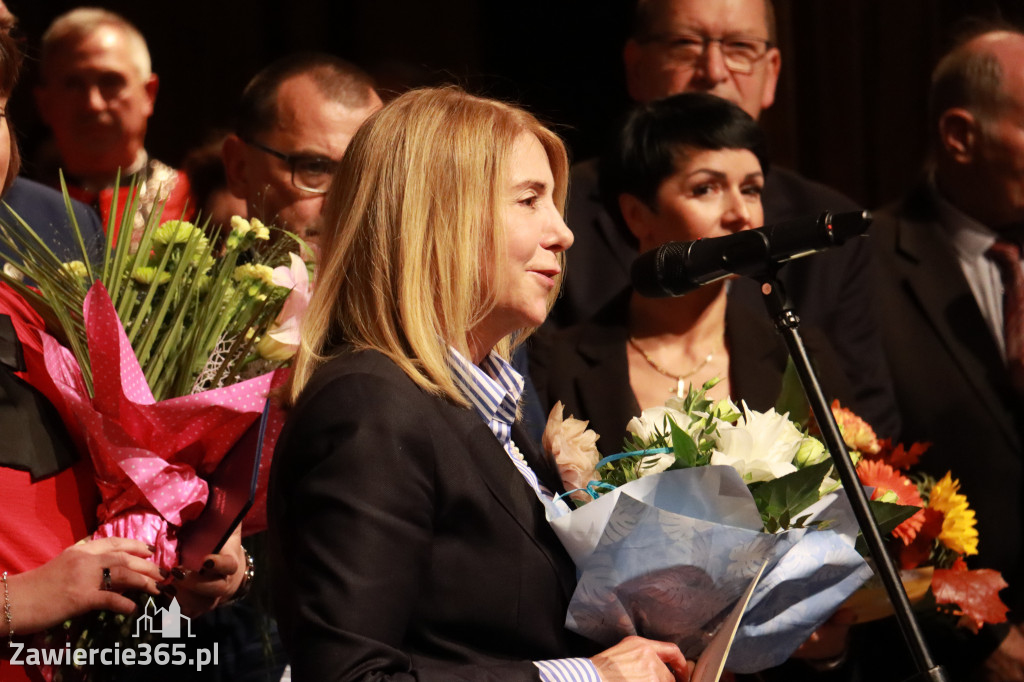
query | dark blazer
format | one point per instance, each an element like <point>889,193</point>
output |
<point>951,383</point>
<point>405,544</point>
<point>830,290</point>
<point>585,367</point>
<point>43,209</point>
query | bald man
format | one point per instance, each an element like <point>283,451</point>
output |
<point>946,312</point>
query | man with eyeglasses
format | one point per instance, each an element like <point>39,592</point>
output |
<point>295,120</point>
<point>96,94</point>
<point>727,48</point>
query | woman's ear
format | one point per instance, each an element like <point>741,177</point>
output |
<point>638,217</point>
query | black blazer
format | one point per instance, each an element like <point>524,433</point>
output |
<point>586,367</point>
<point>405,544</point>
<point>951,383</point>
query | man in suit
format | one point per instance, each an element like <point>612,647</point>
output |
<point>295,121</point>
<point>941,301</point>
<point>727,48</point>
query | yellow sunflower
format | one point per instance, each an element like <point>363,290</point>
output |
<point>958,526</point>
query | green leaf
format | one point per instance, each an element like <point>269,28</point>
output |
<point>792,398</point>
<point>887,516</point>
<point>781,499</point>
<point>687,454</point>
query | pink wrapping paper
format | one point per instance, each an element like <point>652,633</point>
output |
<point>148,456</point>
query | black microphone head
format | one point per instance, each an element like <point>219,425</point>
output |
<point>654,272</point>
<point>846,226</point>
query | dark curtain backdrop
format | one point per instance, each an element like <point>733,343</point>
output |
<point>849,110</point>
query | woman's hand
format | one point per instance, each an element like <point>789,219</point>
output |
<point>1006,664</point>
<point>215,583</point>
<point>636,658</point>
<point>827,645</point>
<point>73,583</point>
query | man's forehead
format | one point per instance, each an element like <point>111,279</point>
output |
<point>103,49</point>
<point>718,16</point>
<point>312,122</point>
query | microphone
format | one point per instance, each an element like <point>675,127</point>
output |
<point>678,268</point>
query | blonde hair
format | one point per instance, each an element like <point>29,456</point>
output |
<point>414,234</point>
<point>74,26</point>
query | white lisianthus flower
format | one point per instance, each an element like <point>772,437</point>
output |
<point>760,446</point>
<point>811,451</point>
<point>653,421</point>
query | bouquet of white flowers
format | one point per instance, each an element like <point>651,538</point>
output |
<point>705,500</point>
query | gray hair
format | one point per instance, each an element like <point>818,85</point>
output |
<point>75,25</point>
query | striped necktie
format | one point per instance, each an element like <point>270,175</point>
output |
<point>1007,257</point>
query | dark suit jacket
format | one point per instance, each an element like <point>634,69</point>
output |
<point>830,290</point>
<point>44,211</point>
<point>950,380</point>
<point>585,367</point>
<point>405,544</point>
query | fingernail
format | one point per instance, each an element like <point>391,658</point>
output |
<point>164,573</point>
<point>208,564</point>
<point>178,573</point>
<point>151,548</point>
<point>202,571</point>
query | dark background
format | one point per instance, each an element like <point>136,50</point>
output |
<point>849,109</point>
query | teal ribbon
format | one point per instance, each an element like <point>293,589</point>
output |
<point>633,453</point>
<point>594,486</point>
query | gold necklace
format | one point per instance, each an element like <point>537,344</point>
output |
<point>679,378</point>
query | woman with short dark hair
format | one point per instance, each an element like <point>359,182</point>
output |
<point>687,167</point>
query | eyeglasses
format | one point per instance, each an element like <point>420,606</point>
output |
<point>739,53</point>
<point>309,173</point>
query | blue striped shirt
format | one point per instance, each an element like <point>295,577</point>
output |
<point>494,389</point>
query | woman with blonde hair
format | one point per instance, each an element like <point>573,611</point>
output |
<point>408,529</point>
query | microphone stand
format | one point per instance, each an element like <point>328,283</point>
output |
<point>787,323</point>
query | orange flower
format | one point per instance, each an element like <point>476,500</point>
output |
<point>884,479</point>
<point>857,433</point>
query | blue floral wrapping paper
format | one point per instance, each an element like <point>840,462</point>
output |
<point>668,555</point>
